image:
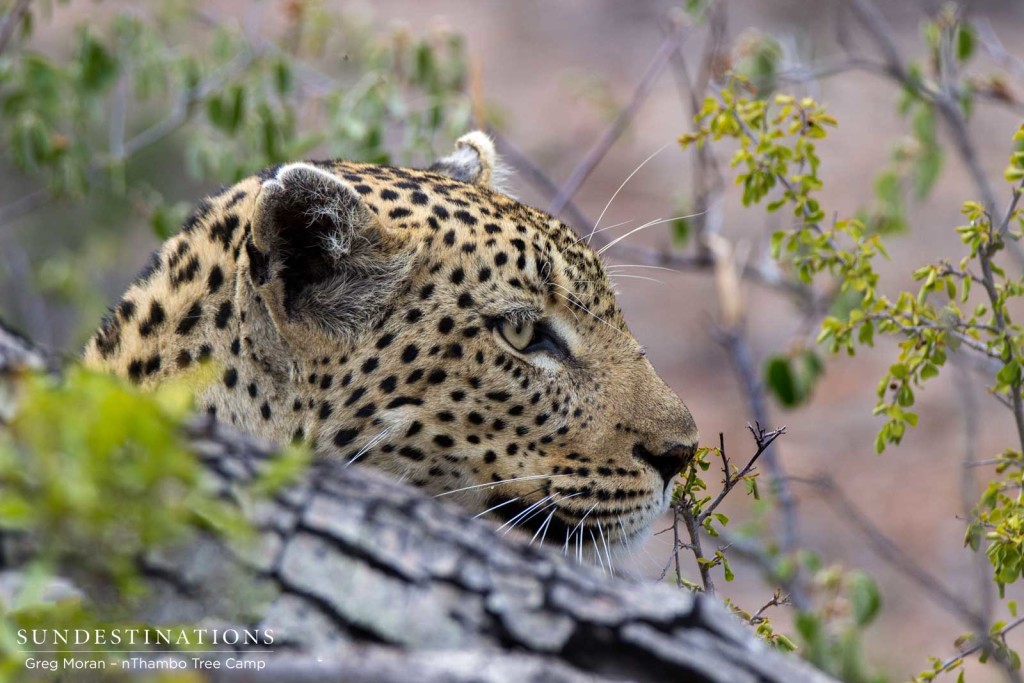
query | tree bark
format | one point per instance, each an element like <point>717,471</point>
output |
<point>362,578</point>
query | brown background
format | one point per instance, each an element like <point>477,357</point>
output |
<point>533,58</point>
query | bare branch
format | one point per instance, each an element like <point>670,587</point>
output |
<point>994,47</point>
<point>538,179</point>
<point>10,22</point>
<point>890,551</point>
<point>736,346</point>
<point>703,565</point>
<point>981,644</point>
<point>146,138</point>
<point>593,157</point>
<point>764,440</point>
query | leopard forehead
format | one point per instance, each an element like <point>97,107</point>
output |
<point>410,373</point>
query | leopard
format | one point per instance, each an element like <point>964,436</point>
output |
<point>422,322</point>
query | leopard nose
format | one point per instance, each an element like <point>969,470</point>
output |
<point>667,464</point>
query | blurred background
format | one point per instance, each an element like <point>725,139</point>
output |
<point>89,186</point>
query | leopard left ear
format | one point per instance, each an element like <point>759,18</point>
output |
<point>318,256</point>
<point>474,161</point>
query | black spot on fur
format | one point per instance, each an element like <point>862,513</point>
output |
<point>185,274</point>
<point>345,436</point>
<point>190,319</point>
<point>404,401</point>
<point>223,315</point>
<point>135,370</point>
<point>215,279</point>
<point>156,319</point>
<point>152,364</point>
<point>223,231</point>
<point>409,353</point>
<point>109,336</point>
<point>127,309</point>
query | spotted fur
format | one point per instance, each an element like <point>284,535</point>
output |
<point>361,308</point>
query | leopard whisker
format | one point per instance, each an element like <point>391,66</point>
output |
<point>544,526</point>
<point>607,551</point>
<point>612,276</point>
<point>616,266</point>
<point>514,521</point>
<point>610,227</point>
<point>504,503</point>
<point>579,525</point>
<point>541,507</point>
<point>597,553</point>
<point>579,304</point>
<point>649,224</point>
<point>624,182</point>
<point>630,548</point>
<point>500,483</point>
<point>499,505</point>
<point>384,434</point>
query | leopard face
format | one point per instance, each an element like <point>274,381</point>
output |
<point>422,323</point>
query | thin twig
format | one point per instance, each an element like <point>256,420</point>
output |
<point>703,566</point>
<point>707,176</point>
<point>604,143</point>
<point>736,346</point>
<point>994,47</point>
<point>764,440</point>
<point>538,179</point>
<point>945,101</point>
<point>146,138</point>
<point>889,550</point>
<point>10,22</point>
<point>980,644</point>
<point>969,410</point>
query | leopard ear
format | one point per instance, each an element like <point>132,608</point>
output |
<point>474,161</point>
<point>318,255</point>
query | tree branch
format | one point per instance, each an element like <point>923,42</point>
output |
<point>10,21</point>
<point>594,155</point>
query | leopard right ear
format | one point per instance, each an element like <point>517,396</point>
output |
<point>474,161</point>
<point>318,255</point>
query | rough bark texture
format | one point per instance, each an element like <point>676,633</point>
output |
<point>364,579</point>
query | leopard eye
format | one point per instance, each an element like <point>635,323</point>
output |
<point>533,337</point>
<point>518,335</point>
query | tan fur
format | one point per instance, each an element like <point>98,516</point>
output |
<point>415,379</point>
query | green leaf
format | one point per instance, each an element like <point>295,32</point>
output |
<point>681,232</point>
<point>927,170</point>
<point>791,378</point>
<point>964,42</point>
<point>865,598</point>
<point>779,379</point>
<point>97,67</point>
